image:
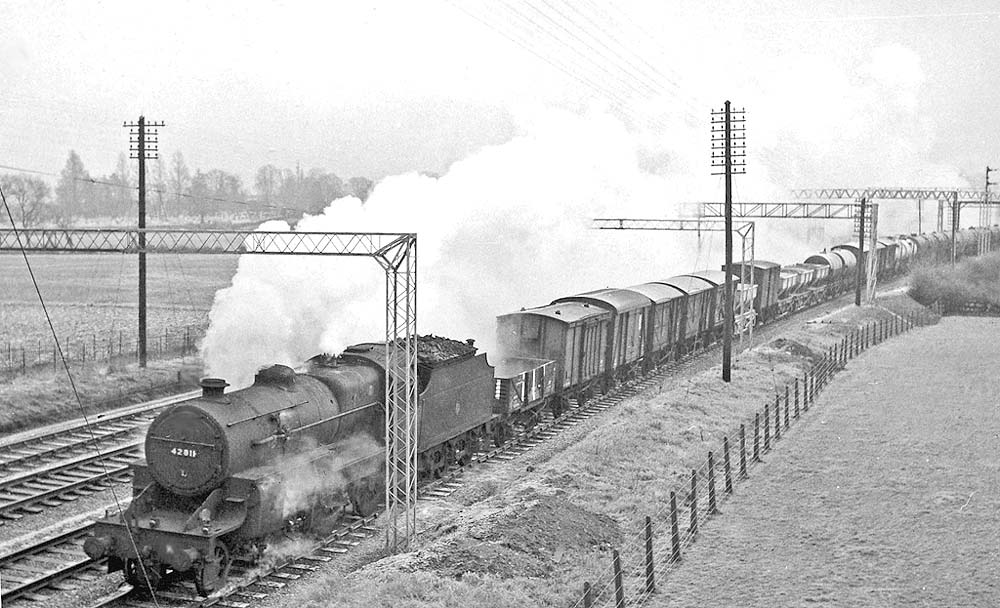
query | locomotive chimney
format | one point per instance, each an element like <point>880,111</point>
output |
<point>212,387</point>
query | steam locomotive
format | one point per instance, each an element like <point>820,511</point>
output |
<point>225,473</point>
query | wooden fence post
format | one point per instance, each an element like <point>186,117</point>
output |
<point>767,427</point>
<point>777,417</point>
<point>787,403</point>
<point>616,563</point>
<point>756,437</point>
<point>713,507</point>
<point>726,468</point>
<point>743,452</point>
<point>693,524</point>
<point>806,392</point>
<point>675,535</point>
<point>650,583</point>
<point>796,397</point>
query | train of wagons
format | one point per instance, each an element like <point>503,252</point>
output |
<point>228,472</point>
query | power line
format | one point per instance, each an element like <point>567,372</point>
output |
<point>617,101</point>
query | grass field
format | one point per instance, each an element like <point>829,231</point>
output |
<point>888,496</point>
<point>98,294</point>
<point>92,298</point>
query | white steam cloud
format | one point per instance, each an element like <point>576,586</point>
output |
<point>508,227</point>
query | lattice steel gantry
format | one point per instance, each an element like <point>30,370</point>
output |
<point>956,198</point>
<point>396,253</point>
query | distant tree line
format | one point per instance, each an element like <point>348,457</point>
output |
<point>172,191</point>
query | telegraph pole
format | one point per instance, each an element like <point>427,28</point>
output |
<point>861,251</point>
<point>956,211</point>
<point>732,146</point>
<point>986,213</point>
<point>138,140</point>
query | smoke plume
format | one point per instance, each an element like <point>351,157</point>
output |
<point>509,226</point>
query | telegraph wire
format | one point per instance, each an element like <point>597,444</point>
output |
<point>617,100</point>
<point>875,17</point>
<point>533,29</point>
<point>651,72</point>
<point>72,383</point>
<point>530,28</point>
<point>593,52</point>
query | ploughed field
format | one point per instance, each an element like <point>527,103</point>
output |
<point>887,495</point>
<point>98,294</point>
<point>93,302</point>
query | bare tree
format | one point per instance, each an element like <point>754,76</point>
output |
<point>74,189</point>
<point>267,182</point>
<point>179,181</point>
<point>28,197</point>
<point>360,187</point>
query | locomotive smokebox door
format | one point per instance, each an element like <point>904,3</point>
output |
<point>186,451</point>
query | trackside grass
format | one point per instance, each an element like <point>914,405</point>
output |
<point>971,280</point>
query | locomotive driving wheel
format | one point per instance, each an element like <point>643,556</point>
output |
<point>212,574</point>
<point>144,577</point>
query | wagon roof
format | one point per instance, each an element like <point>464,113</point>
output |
<point>619,300</point>
<point>565,312</point>
<point>762,264</point>
<point>848,256</point>
<point>658,292</point>
<point>832,259</point>
<point>687,284</point>
<point>852,247</point>
<point>714,277</point>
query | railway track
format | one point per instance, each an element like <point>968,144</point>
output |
<point>51,466</point>
<point>251,584</point>
<point>56,563</point>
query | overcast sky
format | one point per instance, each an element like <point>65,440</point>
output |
<point>379,88</point>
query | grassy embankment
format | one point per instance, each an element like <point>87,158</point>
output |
<point>971,280</point>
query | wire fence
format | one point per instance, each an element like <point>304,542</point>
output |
<point>644,559</point>
<point>120,347</point>
<point>973,308</point>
